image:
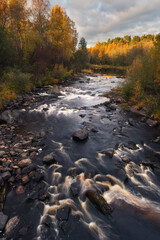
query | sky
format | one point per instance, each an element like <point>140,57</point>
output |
<point>99,20</point>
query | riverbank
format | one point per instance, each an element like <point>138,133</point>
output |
<point>116,96</point>
<point>119,71</point>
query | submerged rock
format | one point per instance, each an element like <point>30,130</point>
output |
<point>126,159</point>
<point>80,135</point>
<point>152,123</point>
<point>108,152</point>
<point>49,159</point>
<point>20,190</point>
<point>63,213</point>
<point>99,202</point>
<point>130,121</point>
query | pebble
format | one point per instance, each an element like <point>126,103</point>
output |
<point>6,175</point>
<point>25,163</point>
<point>25,179</point>
<point>20,190</point>
<point>126,159</point>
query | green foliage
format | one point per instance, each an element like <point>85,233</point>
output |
<point>17,81</point>
<point>5,49</point>
<point>61,72</point>
<point>81,55</point>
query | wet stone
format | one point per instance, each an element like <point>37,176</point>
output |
<point>113,107</point>
<point>157,140</point>
<point>152,123</point>
<point>130,121</point>
<point>126,159</point>
<point>80,135</point>
<point>3,221</point>
<point>12,225</point>
<point>42,196</point>
<point>131,145</point>
<point>99,202</point>
<point>11,179</point>
<point>25,163</point>
<point>6,175</point>
<point>2,153</point>
<point>82,115</point>
<point>20,190</point>
<point>101,178</point>
<point>63,213</point>
<point>49,159</point>
<point>108,152</point>
<point>25,179</point>
<point>28,169</point>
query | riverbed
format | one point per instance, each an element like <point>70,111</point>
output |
<point>119,160</point>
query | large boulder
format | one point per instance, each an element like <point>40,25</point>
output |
<point>99,202</point>
<point>80,135</point>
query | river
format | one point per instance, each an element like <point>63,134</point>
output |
<point>120,161</point>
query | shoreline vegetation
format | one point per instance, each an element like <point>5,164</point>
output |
<point>38,46</point>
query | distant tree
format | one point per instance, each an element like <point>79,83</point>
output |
<point>62,34</point>
<point>81,55</point>
<point>3,13</point>
<point>157,58</point>
<point>136,39</point>
<point>17,20</point>
<point>40,15</point>
<point>127,38</point>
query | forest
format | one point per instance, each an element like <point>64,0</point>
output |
<point>141,56</point>
<point>37,46</point>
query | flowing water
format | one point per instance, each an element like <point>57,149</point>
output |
<point>131,189</point>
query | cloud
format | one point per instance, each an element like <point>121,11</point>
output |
<point>100,20</point>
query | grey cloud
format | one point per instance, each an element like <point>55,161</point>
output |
<point>99,20</point>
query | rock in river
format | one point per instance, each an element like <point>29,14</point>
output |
<point>152,123</point>
<point>108,152</point>
<point>80,135</point>
<point>49,159</point>
<point>99,202</point>
<point>12,225</point>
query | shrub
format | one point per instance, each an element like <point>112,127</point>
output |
<point>61,72</point>
<point>17,81</point>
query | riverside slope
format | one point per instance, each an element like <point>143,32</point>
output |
<point>103,187</point>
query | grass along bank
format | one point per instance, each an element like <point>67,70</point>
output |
<point>14,82</point>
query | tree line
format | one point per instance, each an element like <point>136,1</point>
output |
<point>120,50</point>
